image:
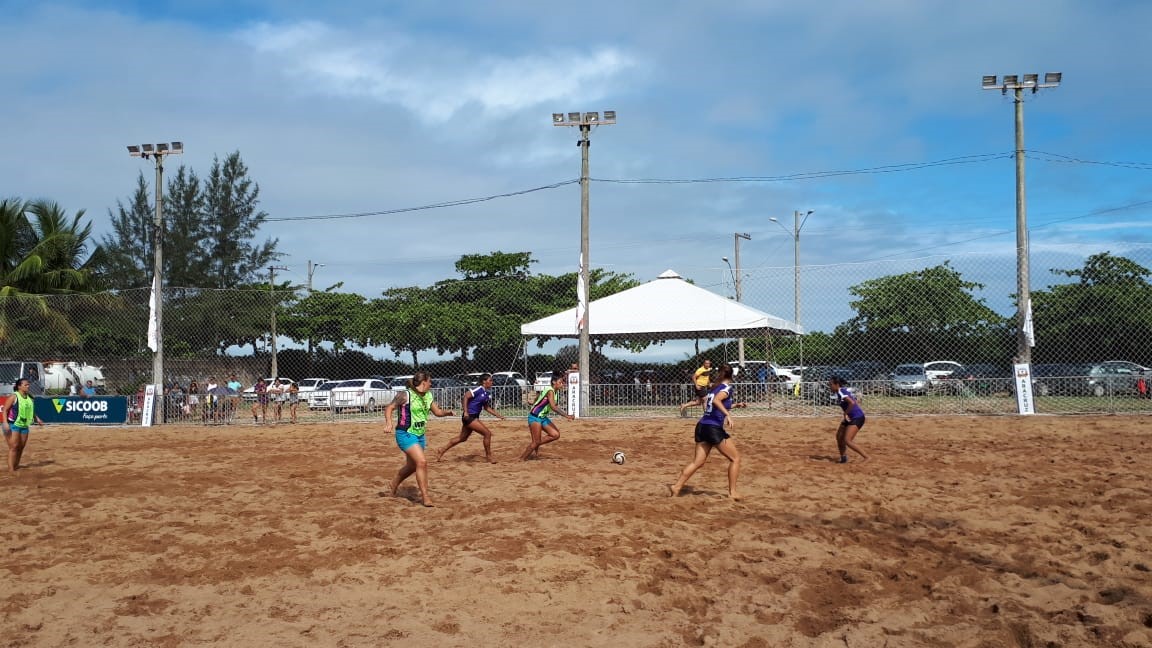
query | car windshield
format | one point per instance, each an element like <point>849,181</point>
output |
<point>910,370</point>
<point>351,383</point>
<point>9,372</point>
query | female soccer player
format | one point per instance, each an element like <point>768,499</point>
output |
<point>852,421</point>
<point>538,421</point>
<point>17,414</point>
<point>710,433</point>
<point>414,405</point>
<point>476,400</point>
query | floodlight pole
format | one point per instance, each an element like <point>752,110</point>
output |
<point>1023,283</point>
<point>158,152</point>
<point>272,294</point>
<point>585,121</point>
<point>739,291</point>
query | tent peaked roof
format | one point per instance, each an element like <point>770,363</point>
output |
<point>665,308</point>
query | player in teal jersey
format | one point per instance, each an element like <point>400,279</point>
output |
<point>538,422</point>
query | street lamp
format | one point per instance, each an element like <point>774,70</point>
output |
<point>797,225</point>
<point>272,294</point>
<point>157,152</point>
<point>1023,290</point>
<point>585,121</point>
<point>739,290</point>
<point>311,270</point>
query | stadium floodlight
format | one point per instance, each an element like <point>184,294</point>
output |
<point>990,82</point>
<point>158,152</point>
<point>585,121</point>
<point>1024,339</point>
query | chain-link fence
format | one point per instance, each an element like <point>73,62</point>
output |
<point>928,336</point>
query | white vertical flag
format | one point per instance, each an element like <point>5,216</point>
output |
<point>153,334</point>
<point>1029,332</point>
<point>581,298</point>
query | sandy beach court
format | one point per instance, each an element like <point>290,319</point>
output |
<point>997,531</point>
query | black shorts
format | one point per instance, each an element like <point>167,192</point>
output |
<point>701,392</point>
<point>710,434</point>
<point>466,419</point>
<point>858,421</point>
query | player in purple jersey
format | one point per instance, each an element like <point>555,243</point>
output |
<point>852,420</point>
<point>710,433</point>
<point>476,400</point>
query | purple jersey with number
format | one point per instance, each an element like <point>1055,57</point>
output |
<point>712,414</point>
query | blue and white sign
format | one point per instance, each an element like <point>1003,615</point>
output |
<point>96,410</point>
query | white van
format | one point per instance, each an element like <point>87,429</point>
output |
<point>13,370</point>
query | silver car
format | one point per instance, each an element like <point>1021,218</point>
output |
<point>909,380</point>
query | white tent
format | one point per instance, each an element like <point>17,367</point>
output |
<point>665,308</point>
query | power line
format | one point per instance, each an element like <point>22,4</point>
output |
<point>1057,158</point>
<point>440,205</point>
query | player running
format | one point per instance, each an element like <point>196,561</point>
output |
<point>476,400</point>
<point>710,433</point>
<point>538,422</point>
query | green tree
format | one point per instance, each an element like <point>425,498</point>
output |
<point>1106,313</point>
<point>923,315</point>
<point>231,222</point>
<point>127,261</point>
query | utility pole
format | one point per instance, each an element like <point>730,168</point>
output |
<point>1023,284</point>
<point>797,225</point>
<point>585,121</point>
<point>272,294</point>
<point>157,153</point>
<point>739,291</point>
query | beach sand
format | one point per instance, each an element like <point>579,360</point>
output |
<point>999,531</point>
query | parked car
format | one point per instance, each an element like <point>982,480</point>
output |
<point>1139,370</point>
<point>909,380</point>
<point>1102,379</point>
<point>543,380</point>
<point>868,370</point>
<point>448,392</point>
<point>320,397</point>
<point>815,384</point>
<point>511,377</point>
<point>250,393</point>
<point>470,379</point>
<point>986,379</point>
<point>365,394</point>
<point>310,384</point>
<point>1059,379</point>
<point>940,369</point>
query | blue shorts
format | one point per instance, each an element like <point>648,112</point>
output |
<point>16,429</point>
<point>405,440</point>
<point>544,421</point>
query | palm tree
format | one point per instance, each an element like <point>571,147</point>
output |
<point>42,252</point>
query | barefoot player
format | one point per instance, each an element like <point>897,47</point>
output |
<point>711,433</point>
<point>476,400</point>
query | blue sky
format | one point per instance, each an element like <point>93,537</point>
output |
<point>371,106</point>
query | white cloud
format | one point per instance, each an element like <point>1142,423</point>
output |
<point>431,80</point>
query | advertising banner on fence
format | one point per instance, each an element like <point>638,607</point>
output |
<point>1023,378</point>
<point>97,410</point>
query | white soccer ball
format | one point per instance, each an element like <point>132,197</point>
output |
<point>618,458</point>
